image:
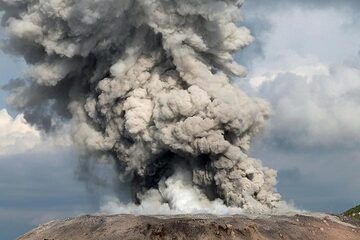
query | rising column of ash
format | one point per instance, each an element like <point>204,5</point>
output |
<point>147,82</point>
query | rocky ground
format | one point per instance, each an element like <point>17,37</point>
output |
<point>202,227</point>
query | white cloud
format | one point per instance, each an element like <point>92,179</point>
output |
<point>320,110</point>
<point>17,136</point>
<point>304,73</point>
<point>300,67</point>
<point>288,62</point>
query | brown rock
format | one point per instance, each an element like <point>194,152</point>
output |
<point>204,227</point>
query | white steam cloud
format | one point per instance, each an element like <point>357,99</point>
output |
<point>147,83</point>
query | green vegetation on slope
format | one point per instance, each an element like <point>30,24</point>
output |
<point>354,212</point>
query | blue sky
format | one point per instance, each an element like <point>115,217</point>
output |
<point>36,188</point>
<point>305,62</point>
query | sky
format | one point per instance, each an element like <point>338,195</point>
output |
<point>305,62</point>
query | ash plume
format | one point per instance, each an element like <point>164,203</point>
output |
<point>149,84</point>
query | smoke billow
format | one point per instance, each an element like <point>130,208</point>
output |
<point>148,83</point>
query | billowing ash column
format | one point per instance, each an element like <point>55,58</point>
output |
<point>147,82</point>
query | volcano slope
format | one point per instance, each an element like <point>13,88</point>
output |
<point>197,227</point>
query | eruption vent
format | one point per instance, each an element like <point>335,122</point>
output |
<point>147,82</point>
